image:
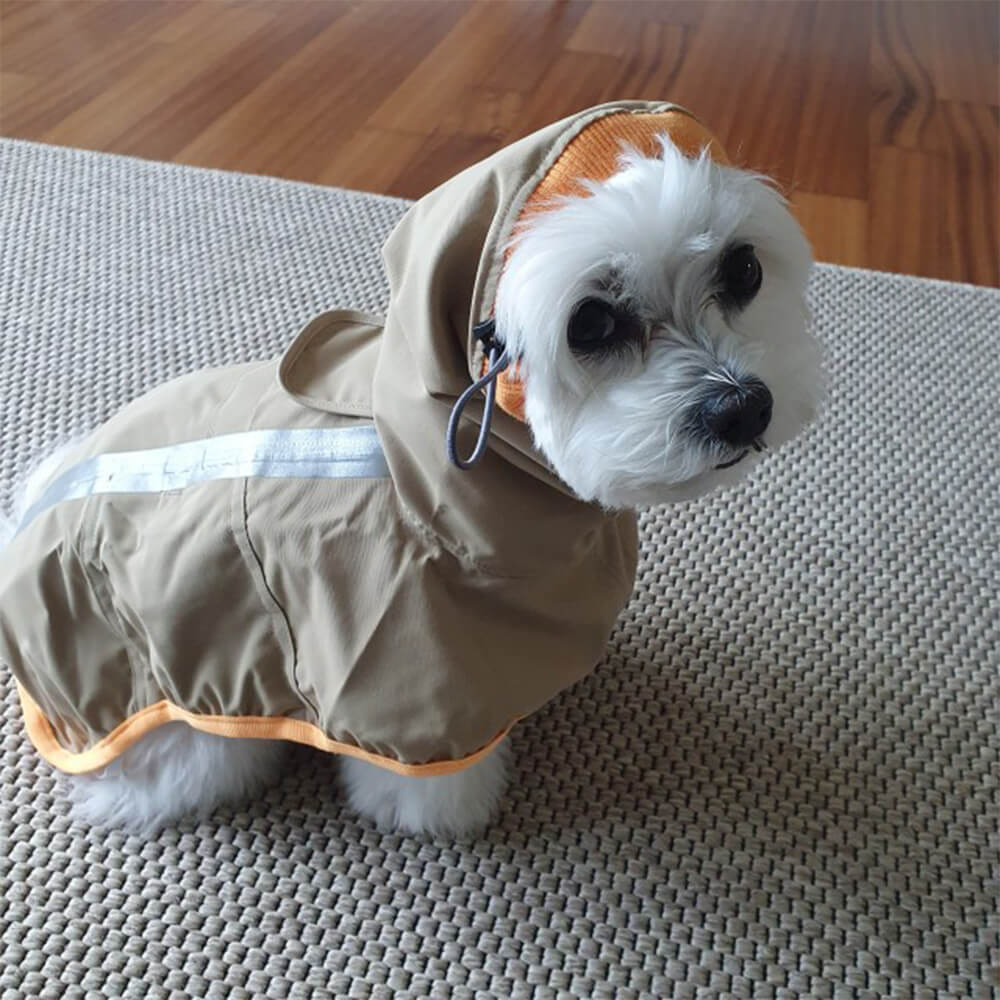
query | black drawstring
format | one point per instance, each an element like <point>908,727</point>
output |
<point>499,362</point>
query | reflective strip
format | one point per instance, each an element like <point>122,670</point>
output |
<point>306,453</point>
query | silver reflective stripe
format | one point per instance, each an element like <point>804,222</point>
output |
<point>306,453</point>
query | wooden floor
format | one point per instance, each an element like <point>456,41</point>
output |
<point>881,119</point>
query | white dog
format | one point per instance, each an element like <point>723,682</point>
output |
<point>659,317</point>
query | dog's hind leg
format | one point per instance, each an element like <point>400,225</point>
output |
<point>174,771</point>
<point>451,805</point>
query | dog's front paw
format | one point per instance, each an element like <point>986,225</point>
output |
<point>454,805</point>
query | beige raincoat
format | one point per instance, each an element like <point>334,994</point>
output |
<point>282,549</point>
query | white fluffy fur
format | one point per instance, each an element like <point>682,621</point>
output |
<point>175,771</point>
<point>613,431</point>
<point>452,805</point>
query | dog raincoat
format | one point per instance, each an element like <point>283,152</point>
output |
<point>283,550</point>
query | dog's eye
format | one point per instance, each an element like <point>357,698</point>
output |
<point>597,325</point>
<point>741,274</point>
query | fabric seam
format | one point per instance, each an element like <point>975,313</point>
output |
<point>276,609</point>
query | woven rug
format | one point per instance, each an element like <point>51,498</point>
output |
<point>782,781</point>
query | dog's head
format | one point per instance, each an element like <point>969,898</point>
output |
<point>660,325</point>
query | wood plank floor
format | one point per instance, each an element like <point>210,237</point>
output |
<point>880,119</point>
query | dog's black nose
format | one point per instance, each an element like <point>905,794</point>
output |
<point>738,414</point>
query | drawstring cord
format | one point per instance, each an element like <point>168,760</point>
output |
<point>498,363</point>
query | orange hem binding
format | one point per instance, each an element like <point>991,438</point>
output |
<point>244,727</point>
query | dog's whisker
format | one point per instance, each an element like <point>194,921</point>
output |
<point>735,461</point>
<point>723,376</point>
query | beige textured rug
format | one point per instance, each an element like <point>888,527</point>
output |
<point>783,780</point>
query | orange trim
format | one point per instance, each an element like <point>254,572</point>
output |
<point>593,154</point>
<point>253,727</point>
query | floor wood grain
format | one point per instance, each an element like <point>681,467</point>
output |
<point>881,119</point>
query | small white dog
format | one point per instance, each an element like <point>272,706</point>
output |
<point>660,317</point>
